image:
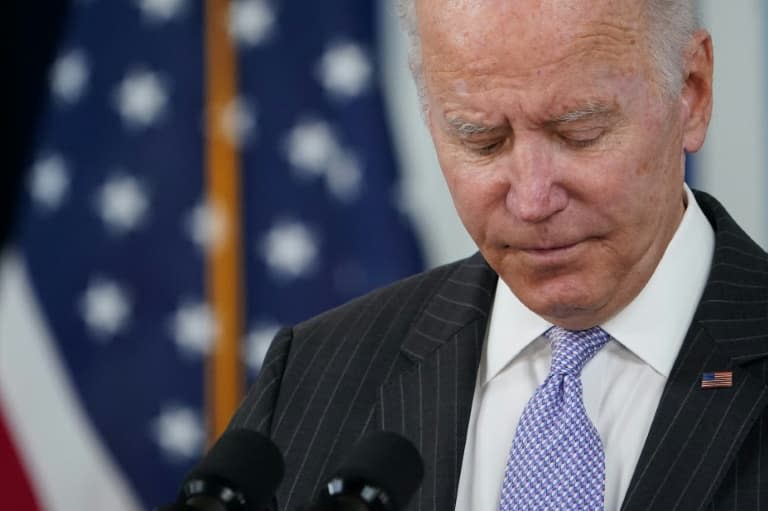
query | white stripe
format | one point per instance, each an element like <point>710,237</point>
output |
<point>70,469</point>
<point>422,193</point>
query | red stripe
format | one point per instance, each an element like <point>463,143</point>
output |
<point>17,490</point>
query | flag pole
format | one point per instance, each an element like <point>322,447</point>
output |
<point>224,379</point>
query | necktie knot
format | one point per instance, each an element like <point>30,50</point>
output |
<point>571,349</point>
<point>557,461</point>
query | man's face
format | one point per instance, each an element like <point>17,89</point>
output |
<point>564,159</point>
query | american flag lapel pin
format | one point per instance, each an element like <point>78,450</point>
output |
<point>717,380</point>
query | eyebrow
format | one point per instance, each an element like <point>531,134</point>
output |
<point>589,111</point>
<point>465,128</point>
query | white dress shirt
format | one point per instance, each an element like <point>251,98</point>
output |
<point>622,383</point>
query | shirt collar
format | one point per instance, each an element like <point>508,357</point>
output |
<point>670,297</point>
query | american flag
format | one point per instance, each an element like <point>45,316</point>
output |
<point>108,323</point>
<point>717,380</point>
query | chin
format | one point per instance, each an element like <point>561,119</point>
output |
<point>568,307</point>
<point>571,317</point>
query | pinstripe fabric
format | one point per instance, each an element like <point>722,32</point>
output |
<point>395,359</point>
<point>706,449</point>
<point>405,359</point>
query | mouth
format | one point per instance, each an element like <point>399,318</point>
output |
<point>549,249</point>
<point>552,253</point>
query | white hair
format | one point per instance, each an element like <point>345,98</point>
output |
<point>671,23</point>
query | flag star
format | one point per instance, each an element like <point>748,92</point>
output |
<point>310,146</point>
<point>105,308</point>
<point>122,204</point>
<point>345,70</point>
<point>206,226</point>
<point>344,177</point>
<point>238,121</point>
<point>141,98</point>
<point>251,22</point>
<point>49,182</point>
<point>159,11</point>
<point>194,328</point>
<point>257,343</point>
<point>290,250</point>
<point>179,432</point>
<point>69,76</point>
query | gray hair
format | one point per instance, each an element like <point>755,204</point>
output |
<point>406,10</point>
<point>671,23</point>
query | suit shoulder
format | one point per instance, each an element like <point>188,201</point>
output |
<point>741,257</point>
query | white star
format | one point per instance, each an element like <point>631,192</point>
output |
<point>344,70</point>
<point>159,11</point>
<point>49,182</point>
<point>105,308</point>
<point>290,250</point>
<point>206,226</point>
<point>310,146</point>
<point>179,432</point>
<point>238,121</point>
<point>251,22</point>
<point>194,329</point>
<point>69,76</point>
<point>122,204</point>
<point>344,177</point>
<point>141,98</point>
<point>313,151</point>
<point>257,344</point>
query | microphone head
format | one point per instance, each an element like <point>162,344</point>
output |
<point>242,470</point>
<point>387,461</point>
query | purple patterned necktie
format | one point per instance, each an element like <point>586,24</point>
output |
<point>557,462</point>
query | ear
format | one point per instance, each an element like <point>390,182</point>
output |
<point>697,90</point>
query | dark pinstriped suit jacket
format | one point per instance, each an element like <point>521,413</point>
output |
<point>404,359</point>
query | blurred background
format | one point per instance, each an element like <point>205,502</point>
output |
<point>183,177</point>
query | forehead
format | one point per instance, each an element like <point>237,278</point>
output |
<point>522,38</point>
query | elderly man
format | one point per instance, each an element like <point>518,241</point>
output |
<point>566,366</point>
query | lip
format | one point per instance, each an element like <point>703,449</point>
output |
<point>550,250</point>
<point>552,253</point>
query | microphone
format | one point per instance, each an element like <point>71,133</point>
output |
<point>381,473</point>
<point>241,472</point>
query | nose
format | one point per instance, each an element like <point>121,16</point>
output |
<point>535,193</point>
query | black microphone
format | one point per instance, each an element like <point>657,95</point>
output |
<point>240,473</point>
<point>381,473</point>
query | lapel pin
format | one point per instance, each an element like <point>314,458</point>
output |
<point>717,380</point>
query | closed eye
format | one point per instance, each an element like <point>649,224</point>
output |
<point>581,139</point>
<point>484,148</point>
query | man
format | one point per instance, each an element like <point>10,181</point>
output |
<point>561,127</point>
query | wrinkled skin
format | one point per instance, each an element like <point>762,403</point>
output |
<point>564,159</point>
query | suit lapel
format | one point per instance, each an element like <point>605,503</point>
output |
<point>697,432</point>
<point>430,398</point>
